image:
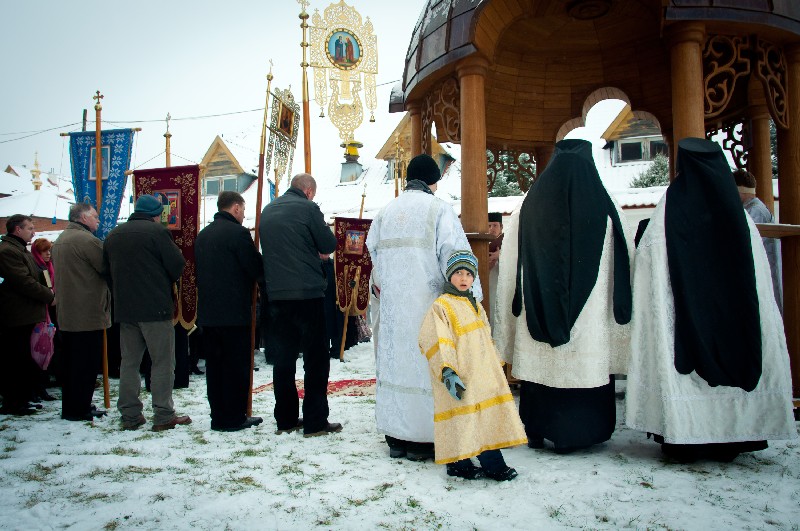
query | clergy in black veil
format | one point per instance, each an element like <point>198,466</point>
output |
<point>709,372</point>
<point>564,302</point>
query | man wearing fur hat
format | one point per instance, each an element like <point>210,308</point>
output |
<point>409,241</point>
<point>144,263</point>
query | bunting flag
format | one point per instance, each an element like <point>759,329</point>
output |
<point>116,159</point>
<point>352,260</point>
<point>178,188</point>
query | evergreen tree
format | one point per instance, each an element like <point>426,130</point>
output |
<point>656,175</point>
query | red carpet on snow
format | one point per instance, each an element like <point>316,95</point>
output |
<point>340,388</point>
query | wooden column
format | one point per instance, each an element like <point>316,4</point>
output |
<point>415,112</point>
<point>789,172</point>
<point>759,159</point>
<point>474,195</point>
<point>542,154</point>
<point>686,59</point>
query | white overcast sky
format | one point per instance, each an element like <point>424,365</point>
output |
<point>188,58</point>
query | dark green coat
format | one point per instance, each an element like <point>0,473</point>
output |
<point>143,263</point>
<point>23,294</point>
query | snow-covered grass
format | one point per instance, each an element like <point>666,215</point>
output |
<point>59,474</point>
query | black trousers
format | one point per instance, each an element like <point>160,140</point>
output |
<point>82,361</point>
<point>294,327</point>
<point>227,350</point>
<point>18,371</point>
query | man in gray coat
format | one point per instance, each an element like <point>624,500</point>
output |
<point>293,238</point>
<point>84,305</point>
<point>144,264</point>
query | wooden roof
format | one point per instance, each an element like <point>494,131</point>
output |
<point>550,61</point>
<point>403,134</point>
<point>220,161</point>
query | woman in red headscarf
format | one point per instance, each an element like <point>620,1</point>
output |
<point>41,250</point>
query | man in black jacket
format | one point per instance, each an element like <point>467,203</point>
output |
<point>144,264</point>
<point>293,236</point>
<point>228,266</point>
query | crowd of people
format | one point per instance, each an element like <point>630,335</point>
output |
<point>692,316</point>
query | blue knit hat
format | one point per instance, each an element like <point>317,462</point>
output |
<point>148,205</point>
<point>462,260</point>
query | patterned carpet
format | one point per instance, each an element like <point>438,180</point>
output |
<point>340,388</point>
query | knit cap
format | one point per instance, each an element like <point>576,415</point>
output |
<point>462,260</point>
<point>148,205</point>
<point>423,168</point>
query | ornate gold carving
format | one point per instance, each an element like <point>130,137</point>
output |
<point>441,106</point>
<point>501,162</point>
<point>771,70</point>
<point>344,55</point>
<point>725,60</point>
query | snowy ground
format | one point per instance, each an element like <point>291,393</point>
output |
<point>59,474</point>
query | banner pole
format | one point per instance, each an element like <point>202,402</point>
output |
<point>306,113</point>
<point>259,202</point>
<point>168,135</point>
<point>99,201</point>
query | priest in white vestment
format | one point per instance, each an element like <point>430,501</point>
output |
<point>709,372</point>
<point>409,242</point>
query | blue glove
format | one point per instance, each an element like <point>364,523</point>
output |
<point>453,383</point>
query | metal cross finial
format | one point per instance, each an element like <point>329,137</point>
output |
<point>168,119</point>
<point>98,97</point>
<point>304,4</point>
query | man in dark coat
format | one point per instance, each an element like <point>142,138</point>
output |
<point>23,303</point>
<point>84,303</point>
<point>293,236</point>
<point>228,266</point>
<point>144,264</point>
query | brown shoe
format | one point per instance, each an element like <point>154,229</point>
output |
<point>172,423</point>
<point>134,424</point>
<point>293,429</point>
<point>331,427</point>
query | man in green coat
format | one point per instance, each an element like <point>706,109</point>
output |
<point>23,303</point>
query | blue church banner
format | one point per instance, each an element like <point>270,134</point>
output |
<point>116,160</point>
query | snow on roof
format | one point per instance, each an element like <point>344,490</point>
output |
<point>22,182</point>
<point>44,203</point>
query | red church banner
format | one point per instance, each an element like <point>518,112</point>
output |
<point>353,264</point>
<point>178,188</point>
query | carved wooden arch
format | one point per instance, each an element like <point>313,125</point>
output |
<point>442,107</point>
<point>730,60</point>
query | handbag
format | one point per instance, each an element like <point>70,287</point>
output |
<point>42,346</point>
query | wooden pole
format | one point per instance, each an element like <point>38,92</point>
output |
<point>306,112</point>
<point>363,197</point>
<point>259,202</point>
<point>99,201</point>
<point>353,295</point>
<point>789,169</point>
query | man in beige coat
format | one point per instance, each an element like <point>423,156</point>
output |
<point>84,306</point>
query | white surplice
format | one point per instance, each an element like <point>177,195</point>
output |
<point>409,242</point>
<point>684,409</point>
<point>597,347</point>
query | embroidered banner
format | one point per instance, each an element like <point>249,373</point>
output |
<point>178,188</point>
<point>353,263</point>
<point>116,159</point>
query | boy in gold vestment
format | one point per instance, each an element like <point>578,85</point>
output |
<point>474,411</point>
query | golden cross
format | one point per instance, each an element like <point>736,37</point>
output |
<point>304,4</point>
<point>98,97</point>
<point>168,119</point>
